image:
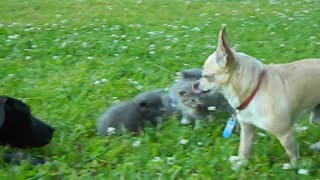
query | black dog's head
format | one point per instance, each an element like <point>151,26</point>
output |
<point>19,128</point>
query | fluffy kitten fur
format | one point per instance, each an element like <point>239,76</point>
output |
<point>131,115</point>
<point>194,106</point>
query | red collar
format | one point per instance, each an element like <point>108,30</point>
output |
<point>254,92</point>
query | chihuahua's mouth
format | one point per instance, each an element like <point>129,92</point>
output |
<point>195,88</point>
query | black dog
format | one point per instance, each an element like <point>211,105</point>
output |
<point>19,128</point>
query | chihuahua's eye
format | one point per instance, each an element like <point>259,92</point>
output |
<point>209,77</point>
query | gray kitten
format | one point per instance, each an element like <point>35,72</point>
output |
<point>195,106</point>
<point>131,115</point>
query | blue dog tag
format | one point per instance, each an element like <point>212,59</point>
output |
<point>229,127</point>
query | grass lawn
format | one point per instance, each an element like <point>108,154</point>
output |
<point>69,60</point>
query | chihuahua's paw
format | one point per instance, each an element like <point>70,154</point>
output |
<point>237,162</point>
<point>185,121</point>
<point>287,166</point>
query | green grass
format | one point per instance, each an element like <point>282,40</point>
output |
<point>52,52</point>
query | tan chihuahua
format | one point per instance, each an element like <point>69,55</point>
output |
<point>270,97</point>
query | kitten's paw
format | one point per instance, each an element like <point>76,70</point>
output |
<point>315,147</point>
<point>185,121</point>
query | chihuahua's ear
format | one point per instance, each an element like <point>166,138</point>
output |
<point>224,53</point>
<point>3,100</point>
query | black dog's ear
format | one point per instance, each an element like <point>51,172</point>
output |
<point>3,100</point>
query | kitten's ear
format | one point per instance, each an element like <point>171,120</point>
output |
<point>143,104</point>
<point>182,93</point>
<point>159,91</point>
<point>191,73</point>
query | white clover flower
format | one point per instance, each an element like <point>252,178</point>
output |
<point>96,82</point>
<point>90,58</point>
<point>282,45</point>
<point>175,40</point>
<point>203,14</point>
<point>312,37</point>
<point>136,143</point>
<point>183,141</point>
<point>170,161</point>
<point>63,21</point>
<point>303,171</point>
<point>156,159</point>
<point>152,47</point>
<point>27,58</point>
<point>63,45</point>
<point>199,143</point>
<point>84,44</point>
<point>103,80</point>
<point>15,36</point>
<point>152,52</point>
<point>111,130</point>
<point>167,47</point>
<point>34,46</point>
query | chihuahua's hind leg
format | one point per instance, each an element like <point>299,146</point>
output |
<point>315,115</point>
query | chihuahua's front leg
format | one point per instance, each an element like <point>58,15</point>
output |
<point>288,141</point>
<point>246,139</point>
